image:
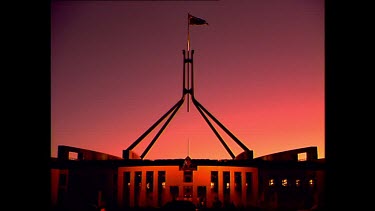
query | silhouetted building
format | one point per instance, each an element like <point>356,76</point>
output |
<point>92,179</point>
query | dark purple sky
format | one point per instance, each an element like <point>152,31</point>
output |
<point>116,68</point>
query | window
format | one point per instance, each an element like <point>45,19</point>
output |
<point>214,181</point>
<point>138,179</point>
<point>312,184</point>
<point>161,180</point>
<point>226,185</point>
<point>238,181</point>
<point>188,192</point>
<point>298,182</point>
<point>284,182</point>
<point>201,190</point>
<point>73,156</point>
<point>137,187</point>
<point>126,188</point>
<point>174,191</point>
<point>249,182</point>
<point>188,176</point>
<point>271,182</point>
<point>161,186</point>
<point>302,156</point>
<point>149,181</point>
<point>226,181</point>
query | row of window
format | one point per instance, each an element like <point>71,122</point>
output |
<point>285,182</point>
<point>188,177</point>
<point>226,181</point>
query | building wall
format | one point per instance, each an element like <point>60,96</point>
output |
<point>292,155</point>
<point>175,177</point>
<point>319,197</point>
<point>284,192</point>
<point>55,173</point>
<point>83,154</point>
<point>91,186</point>
<point>59,187</point>
<point>100,181</point>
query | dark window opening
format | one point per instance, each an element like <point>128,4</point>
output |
<point>149,181</point>
<point>126,189</point>
<point>238,182</point>
<point>188,192</point>
<point>137,187</point>
<point>188,176</point>
<point>161,186</point>
<point>174,191</point>
<point>249,183</point>
<point>202,192</point>
<point>62,180</point>
<point>214,181</point>
<point>226,186</point>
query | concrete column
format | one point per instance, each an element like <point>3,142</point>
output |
<point>155,193</point>
<point>244,187</point>
<point>221,187</point>
<point>142,198</point>
<point>232,193</point>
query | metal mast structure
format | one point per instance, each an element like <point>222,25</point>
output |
<point>187,92</point>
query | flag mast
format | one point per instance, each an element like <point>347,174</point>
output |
<point>188,34</point>
<point>187,90</point>
<point>188,55</point>
<point>192,20</point>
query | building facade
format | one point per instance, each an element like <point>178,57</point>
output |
<point>94,180</point>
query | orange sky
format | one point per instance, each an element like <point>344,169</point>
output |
<point>116,68</point>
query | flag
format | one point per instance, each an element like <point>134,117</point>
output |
<point>196,21</point>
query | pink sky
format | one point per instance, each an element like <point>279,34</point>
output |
<point>116,68</point>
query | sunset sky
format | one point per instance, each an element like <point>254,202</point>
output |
<point>116,68</point>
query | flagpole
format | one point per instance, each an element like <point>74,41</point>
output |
<point>188,36</point>
<point>188,147</point>
<point>188,55</point>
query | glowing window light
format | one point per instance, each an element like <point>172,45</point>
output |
<point>212,185</point>
<point>271,182</point>
<point>148,185</point>
<point>163,184</point>
<point>227,186</point>
<point>284,182</point>
<point>302,156</point>
<point>128,183</point>
<point>311,182</point>
<point>298,182</point>
<point>73,156</point>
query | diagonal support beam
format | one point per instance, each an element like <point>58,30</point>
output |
<point>155,124</point>
<point>198,105</point>
<point>214,130</point>
<point>162,128</point>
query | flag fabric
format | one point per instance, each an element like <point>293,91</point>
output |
<point>196,21</point>
<point>192,20</point>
